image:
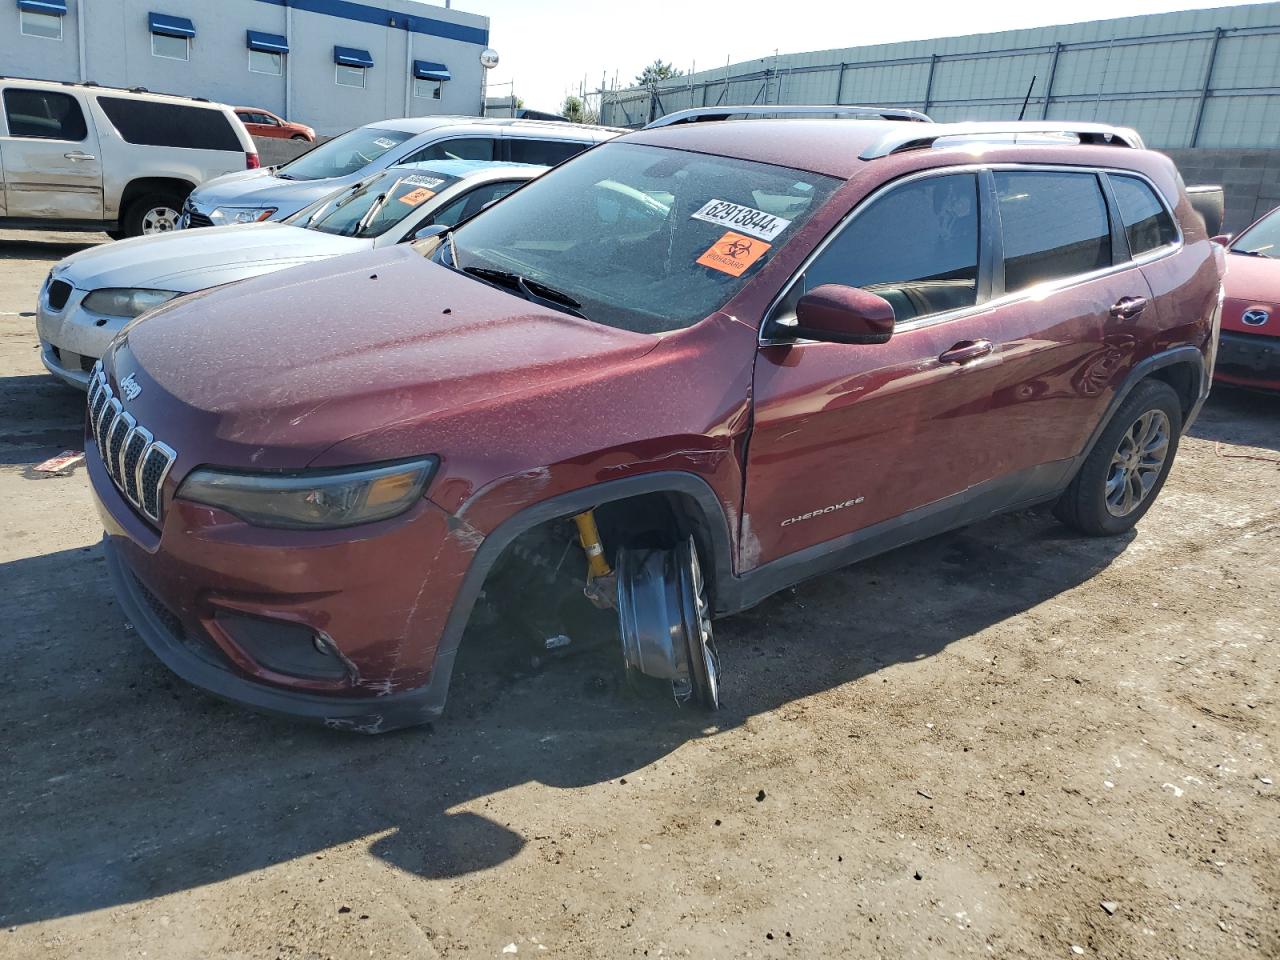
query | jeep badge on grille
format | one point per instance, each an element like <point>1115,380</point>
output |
<point>131,387</point>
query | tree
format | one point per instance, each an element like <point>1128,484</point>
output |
<point>657,71</point>
<point>577,111</point>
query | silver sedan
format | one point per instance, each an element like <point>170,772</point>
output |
<point>90,296</point>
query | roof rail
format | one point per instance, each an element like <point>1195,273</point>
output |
<point>1045,132</point>
<point>703,114</point>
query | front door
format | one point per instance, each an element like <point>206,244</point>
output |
<point>52,164</point>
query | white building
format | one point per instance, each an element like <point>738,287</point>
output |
<point>333,64</point>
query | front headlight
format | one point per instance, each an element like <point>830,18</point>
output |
<point>313,499</point>
<point>225,215</point>
<point>126,303</point>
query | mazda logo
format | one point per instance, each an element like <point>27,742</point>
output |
<point>1256,318</point>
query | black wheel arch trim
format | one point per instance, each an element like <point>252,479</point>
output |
<point>1187,354</point>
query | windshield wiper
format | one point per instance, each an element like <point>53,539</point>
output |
<point>532,290</point>
<point>1253,253</point>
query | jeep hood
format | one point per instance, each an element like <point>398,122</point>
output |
<point>190,260</point>
<point>275,370</point>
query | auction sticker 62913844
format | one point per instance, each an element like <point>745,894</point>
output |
<point>748,220</point>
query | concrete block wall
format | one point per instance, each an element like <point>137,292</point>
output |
<point>1250,180</point>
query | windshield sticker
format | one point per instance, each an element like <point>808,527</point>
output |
<point>384,143</point>
<point>417,196</point>
<point>748,220</point>
<point>733,254</point>
<point>420,181</point>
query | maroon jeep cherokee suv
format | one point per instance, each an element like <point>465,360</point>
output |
<point>677,373</point>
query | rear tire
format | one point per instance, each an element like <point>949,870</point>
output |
<point>298,136</point>
<point>152,213</point>
<point>1125,471</point>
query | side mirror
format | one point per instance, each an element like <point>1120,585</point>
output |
<point>838,314</point>
<point>1222,239</point>
<point>431,230</point>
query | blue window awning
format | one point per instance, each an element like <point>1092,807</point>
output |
<point>55,8</point>
<point>351,57</point>
<point>426,70</point>
<point>266,42</point>
<point>168,26</point>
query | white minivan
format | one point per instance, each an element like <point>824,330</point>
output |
<point>79,156</point>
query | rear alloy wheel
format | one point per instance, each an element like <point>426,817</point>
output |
<point>152,214</point>
<point>1124,472</point>
<point>665,622</point>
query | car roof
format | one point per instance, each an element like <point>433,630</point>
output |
<point>546,129</point>
<point>844,148</point>
<point>463,169</point>
<point>134,93</point>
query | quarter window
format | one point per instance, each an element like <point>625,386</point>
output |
<point>44,25</point>
<point>170,48</point>
<point>1146,220</point>
<point>264,61</point>
<point>345,76</point>
<point>1053,224</point>
<point>463,148</point>
<point>916,246</point>
<point>44,115</point>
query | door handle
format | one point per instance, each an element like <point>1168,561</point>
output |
<point>1126,308</point>
<point>966,351</point>
<point>78,155</point>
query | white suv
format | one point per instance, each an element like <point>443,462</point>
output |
<point>83,157</point>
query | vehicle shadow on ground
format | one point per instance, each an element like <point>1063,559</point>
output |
<point>1240,417</point>
<point>12,248</point>
<point>41,418</point>
<point>123,783</point>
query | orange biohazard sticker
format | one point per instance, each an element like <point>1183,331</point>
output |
<point>733,253</point>
<point>417,196</point>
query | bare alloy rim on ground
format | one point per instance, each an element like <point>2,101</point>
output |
<point>1008,741</point>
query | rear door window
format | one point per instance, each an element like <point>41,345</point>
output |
<point>544,152</point>
<point>460,148</point>
<point>1053,225</point>
<point>472,203</point>
<point>1147,222</point>
<point>916,246</point>
<point>44,115</point>
<point>159,124</point>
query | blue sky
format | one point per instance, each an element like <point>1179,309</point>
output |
<point>548,46</point>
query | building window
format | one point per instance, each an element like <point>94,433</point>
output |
<point>346,76</point>
<point>263,61</point>
<point>428,89</point>
<point>41,25</point>
<point>171,48</point>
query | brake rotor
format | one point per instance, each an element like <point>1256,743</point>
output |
<point>665,621</point>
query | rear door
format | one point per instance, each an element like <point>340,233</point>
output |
<point>52,163</point>
<point>455,148</point>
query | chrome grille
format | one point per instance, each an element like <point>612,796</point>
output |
<point>136,462</point>
<point>194,217</point>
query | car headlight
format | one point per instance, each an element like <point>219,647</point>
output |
<point>126,303</point>
<point>225,215</point>
<point>312,499</point>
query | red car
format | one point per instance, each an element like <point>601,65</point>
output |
<point>264,123</point>
<point>677,373</point>
<point>1249,355</point>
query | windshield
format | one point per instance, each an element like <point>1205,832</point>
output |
<point>643,238</point>
<point>372,208</point>
<point>1262,239</point>
<point>342,155</point>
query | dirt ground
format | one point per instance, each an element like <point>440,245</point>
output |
<point>1008,741</point>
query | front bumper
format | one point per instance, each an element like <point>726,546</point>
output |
<point>73,339</point>
<point>1248,360</point>
<point>231,608</point>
